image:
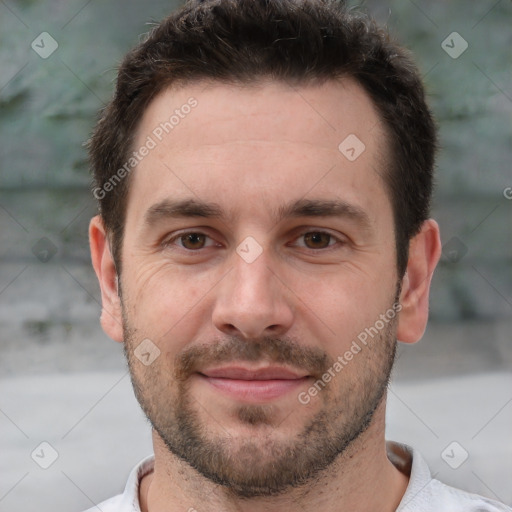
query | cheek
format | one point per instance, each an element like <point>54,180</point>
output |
<point>344,304</point>
<point>163,300</point>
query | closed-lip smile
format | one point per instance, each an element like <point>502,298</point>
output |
<point>253,384</point>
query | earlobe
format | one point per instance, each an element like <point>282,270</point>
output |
<point>104,266</point>
<point>424,253</point>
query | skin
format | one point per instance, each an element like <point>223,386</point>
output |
<point>254,150</point>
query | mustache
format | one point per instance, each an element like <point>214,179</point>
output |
<point>268,349</point>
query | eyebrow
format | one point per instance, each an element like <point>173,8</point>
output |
<point>180,209</point>
<point>301,208</point>
<point>325,208</point>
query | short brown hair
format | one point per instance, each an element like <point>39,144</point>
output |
<point>298,41</point>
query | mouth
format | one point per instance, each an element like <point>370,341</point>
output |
<point>253,385</point>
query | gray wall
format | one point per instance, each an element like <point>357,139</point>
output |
<point>59,372</point>
<point>47,109</point>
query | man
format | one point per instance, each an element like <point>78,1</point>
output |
<point>264,173</point>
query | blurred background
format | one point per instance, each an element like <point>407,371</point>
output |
<point>65,384</point>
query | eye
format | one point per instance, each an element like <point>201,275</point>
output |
<point>316,240</point>
<point>191,241</point>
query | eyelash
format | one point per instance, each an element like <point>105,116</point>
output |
<point>337,240</point>
<point>183,234</point>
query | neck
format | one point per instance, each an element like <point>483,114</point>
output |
<point>362,479</point>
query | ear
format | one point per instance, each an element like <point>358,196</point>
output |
<point>103,263</point>
<point>424,253</point>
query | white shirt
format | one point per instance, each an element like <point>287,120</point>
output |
<point>423,494</point>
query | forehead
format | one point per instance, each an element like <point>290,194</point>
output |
<point>331,110</point>
<point>262,141</point>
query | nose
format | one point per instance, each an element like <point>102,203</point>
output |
<point>252,302</point>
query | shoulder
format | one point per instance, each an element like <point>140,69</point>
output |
<point>129,500</point>
<point>439,496</point>
<point>426,494</point>
<point>114,504</point>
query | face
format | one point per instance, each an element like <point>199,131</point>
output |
<point>259,260</point>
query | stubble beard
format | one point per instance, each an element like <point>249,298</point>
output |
<point>262,464</point>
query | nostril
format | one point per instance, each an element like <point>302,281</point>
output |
<point>230,328</point>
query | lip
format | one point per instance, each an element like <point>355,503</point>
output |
<point>241,373</point>
<point>253,385</point>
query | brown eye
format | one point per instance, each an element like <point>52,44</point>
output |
<point>317,240</point>
<point>193,241</point>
